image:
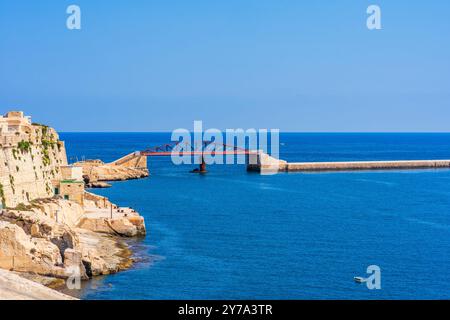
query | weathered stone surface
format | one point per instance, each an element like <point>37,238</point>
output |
<point>35,232</point>
<point>14,287</point>
<point>132,160</point>
<point>63,211</point>
<point>139,223</point>
<point>103,254</point>
<point>98,171</point>
<point>73,262</point>
<point>118,227</point>
<point>92,200</point>
<point>29,162</point>
<point>367,165</point>
<point>21,252</point>
<point>98,184</point>
<point>264,163</point>
<point>37,224</point>
<point>124,222</point>
<point>72,258</point>
<point>60,246</point>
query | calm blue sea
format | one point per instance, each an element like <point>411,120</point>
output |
<point>234,235</point>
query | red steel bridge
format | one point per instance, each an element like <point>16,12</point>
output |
<point>187,149</point>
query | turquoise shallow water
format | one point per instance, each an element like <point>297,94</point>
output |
<point>233,235</point>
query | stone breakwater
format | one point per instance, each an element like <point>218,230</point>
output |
<point>366,165</point>
<point>261,162</point>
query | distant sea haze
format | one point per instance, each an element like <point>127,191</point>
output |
<point>230,234</point>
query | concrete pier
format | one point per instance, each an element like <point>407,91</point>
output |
<point>261,162</point>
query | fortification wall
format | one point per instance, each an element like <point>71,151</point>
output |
<point>29,163</point>
<point>132,160</point>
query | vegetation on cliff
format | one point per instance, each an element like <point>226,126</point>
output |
<point>24,146</point>
<point>2,196</point>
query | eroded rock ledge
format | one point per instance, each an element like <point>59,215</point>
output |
<point>95,171</point>
<point>50,237</point>
<point>15,287</point>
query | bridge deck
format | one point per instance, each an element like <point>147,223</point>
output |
<point>194,153</point>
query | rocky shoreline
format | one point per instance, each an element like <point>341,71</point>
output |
<point>45,250</point>
<point>96,173</point>
<point>52,232</point>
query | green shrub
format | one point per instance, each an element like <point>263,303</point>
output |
<point>2,196</point>
<point>24,146</point>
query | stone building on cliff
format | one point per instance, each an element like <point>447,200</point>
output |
<point>71,185</point>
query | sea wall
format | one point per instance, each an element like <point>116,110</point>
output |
<point>261,162</point>
<point>367,165</point>
<point>132,160</point>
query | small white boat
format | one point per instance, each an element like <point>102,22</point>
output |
<point>359,279</point>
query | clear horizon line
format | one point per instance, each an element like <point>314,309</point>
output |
<point>305,132</point>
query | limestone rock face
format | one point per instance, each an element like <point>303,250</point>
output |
<point>14,287</point>
<point>119,227</point>
<point>35,231</point>
<point>38,225</point>
<point>98,184</point>
<point>21,252</point>
<point>92,200</point>
<point>51,240</point>
<point>74,258</point>
<point>35,243</point>
<point>64,211</point>
<point>139,223</point>
<point>122,227</point>
<point>102,254</point>
<point>98,171</point>
<point>104,217</point>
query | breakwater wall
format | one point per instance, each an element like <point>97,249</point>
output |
<point>261,162</point>
<point>365,165</point>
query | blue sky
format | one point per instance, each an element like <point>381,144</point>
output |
<point>287,64</point>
